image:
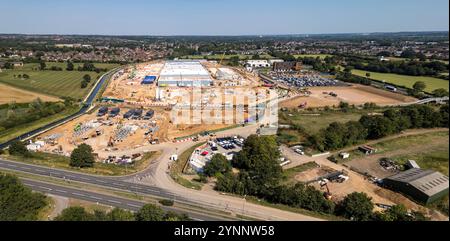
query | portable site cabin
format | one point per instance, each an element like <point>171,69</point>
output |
<point>148,80</point>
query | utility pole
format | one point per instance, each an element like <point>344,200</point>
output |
<point>243,207</point>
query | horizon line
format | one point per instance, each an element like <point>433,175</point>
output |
<point>226,35</point>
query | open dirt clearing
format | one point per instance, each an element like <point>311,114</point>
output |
<point>10,94</point>
<point>356,95</point>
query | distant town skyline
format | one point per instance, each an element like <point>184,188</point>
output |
<point>214,17</point>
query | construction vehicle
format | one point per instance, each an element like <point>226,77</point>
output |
<point>327,194</point>
<point>110,142</point>
<point>303,105</point>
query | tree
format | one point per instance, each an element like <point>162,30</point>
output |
<point>218,164</point>
<point>368,75</point>
<point>70,66</point>
<point>17,202</point>
<point>75,214</point>
<point>82,156</point>
<point>25,76</point>
<point>150,212</point>
<point>42,65</point>
<point>356,206</point>
<point>260,159</point>
<point>118,214</point>
<point>17,148</point>
<point>440,92</point>
<point>84,84</point>
<point>87,78</point>
<point>419,86</point>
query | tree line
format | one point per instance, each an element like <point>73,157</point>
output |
<point>148,212</point>
<point>34,111</point>
<point>339,135</point>
<point>413,68</point>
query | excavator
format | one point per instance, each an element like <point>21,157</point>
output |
<point>326,194</point>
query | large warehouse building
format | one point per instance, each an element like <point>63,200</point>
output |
<point>184,74</point>
<point>425,186</point>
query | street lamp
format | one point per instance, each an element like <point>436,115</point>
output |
<point>243,206</point>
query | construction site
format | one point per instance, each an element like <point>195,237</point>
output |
<point>143,105</point>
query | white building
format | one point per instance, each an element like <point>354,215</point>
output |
<point>272,61</point>
<point>184,74</point>
<point>258,63</point>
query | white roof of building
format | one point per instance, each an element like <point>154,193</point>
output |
<point>184,71</point>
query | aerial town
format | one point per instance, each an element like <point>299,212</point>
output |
<point>301,127</point>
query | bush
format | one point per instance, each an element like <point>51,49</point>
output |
<point>356,206</point>
<point>17,148</point>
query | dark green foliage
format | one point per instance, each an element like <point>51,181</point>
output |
<point>218,164</point>
<point>76,214</point>
<point>440,92</point>
<point>393,121</point>
<point>35,111</point>
<point>118,214</point>
<point>82,156</point>
<point>356,206</point>
<point>18,148</point>
<point>87,78</point>
<point>70,66</point>
<point>17,202</point>
<point>419,86</point>
<point>150,212</point>
<point>398,213</point>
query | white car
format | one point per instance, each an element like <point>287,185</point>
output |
<point>299,151</point>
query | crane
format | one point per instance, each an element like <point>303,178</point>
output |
<point>219,63</point>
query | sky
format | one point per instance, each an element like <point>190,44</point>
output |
<point>221,17</point>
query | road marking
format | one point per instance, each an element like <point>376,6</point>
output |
<point>114,201</point>
<point>84,178</point>
<point>133,205</point>
<point>39,170</point>
<point>44,187</point>
<point>56,190</point>
<point>101,181</point>
<point>98,198</point>
<point>11,165</point>
<point>79,194</point>
<point>26,168</point>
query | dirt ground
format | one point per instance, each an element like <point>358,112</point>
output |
<point>370,164</point>
<point>356,94</point>
<point>10,94</point>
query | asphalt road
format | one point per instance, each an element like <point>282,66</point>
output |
<point>84,178</point>
<point>113,201</point>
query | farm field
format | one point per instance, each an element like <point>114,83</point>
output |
<point>55,83</point>
<point>405,80</point>
<point>356,94</point>
<point>322,56</point>
<point>11,94</point>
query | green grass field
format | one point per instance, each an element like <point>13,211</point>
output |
<point>55,83</point>
<point>313,122</point>
<point>322,56</point>
<point>405,80</point>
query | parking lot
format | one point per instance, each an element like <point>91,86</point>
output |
<point>227,146</point>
